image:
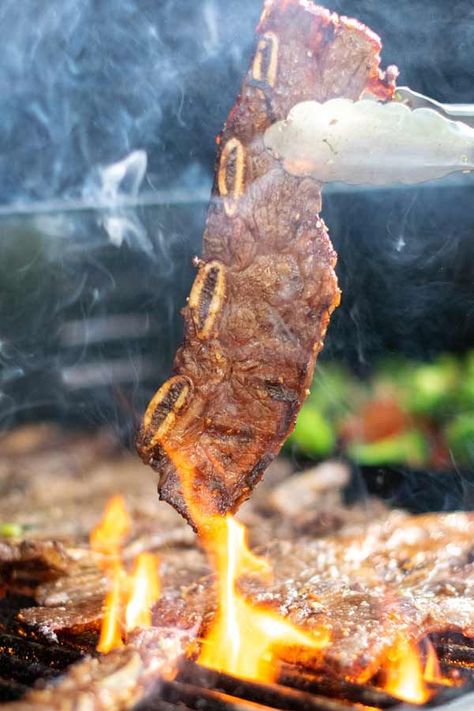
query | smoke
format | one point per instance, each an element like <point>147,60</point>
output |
<point>85,83</point>
<point>107,145</point>
<point>109,115</point>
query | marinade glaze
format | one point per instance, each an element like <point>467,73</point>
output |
<point>265,287</point>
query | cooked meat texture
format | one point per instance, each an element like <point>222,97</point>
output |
<point>115,681</point>
<point>26,563</point>
<point>410,575</point>
<point>54,485</point>
<point>261,302</point>
<point>73,605</point>
<point>407,574</point>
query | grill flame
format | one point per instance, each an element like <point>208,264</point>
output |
<point>405,674</point>
<point>245,638</point>
<point>407,677</point>
<point>130,598</point>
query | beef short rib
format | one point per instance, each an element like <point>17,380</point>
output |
<point>259,308</point>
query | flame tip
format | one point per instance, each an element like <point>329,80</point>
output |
<point>129,598</point>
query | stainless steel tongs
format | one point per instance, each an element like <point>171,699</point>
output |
<point>454,112</point>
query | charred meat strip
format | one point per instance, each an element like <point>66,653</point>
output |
<point>260,305</point>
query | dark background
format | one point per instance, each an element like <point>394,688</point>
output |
<point>86,83</point>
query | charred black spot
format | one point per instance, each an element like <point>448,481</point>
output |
<point>226,433</point>
<point>278,391</point>
<point>329,34</point>
<point>158,459</point>
<point>288,418</point>
<point>266,90</point>
<point>256,474</point>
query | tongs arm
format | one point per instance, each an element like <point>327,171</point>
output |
<point>455,112</point>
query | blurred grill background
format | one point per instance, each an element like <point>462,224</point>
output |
<point>109,117</point>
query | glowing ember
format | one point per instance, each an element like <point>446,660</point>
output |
<point>405,676</point>
<point>244,638</point>
<point>129,599</point>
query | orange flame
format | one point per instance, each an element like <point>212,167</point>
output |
<point>145,591</point>
<point>432,666</point>
<point>129,599</point>
<point>433,672</point>
<point>110,533</point>
<point>244,638</point>
<point>405,677</point>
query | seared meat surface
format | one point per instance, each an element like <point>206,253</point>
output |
<point>401,575</point>
<point>365,574</point>
<point>259,308</point>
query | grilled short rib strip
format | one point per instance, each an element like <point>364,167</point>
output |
<point>260,305</point>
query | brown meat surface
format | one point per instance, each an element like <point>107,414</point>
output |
<point>115,681</point>
<point>259,308</point>
<point>409,575</point>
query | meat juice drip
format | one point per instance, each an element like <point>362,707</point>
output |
<point>367,142</point>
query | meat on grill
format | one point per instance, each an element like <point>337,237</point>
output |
<point>116,681</point>
<point>260,305</point>
<point>411,575</point>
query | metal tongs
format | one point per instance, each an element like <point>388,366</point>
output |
<point>454,112</point>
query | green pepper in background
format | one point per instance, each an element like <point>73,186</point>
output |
<point>437,397</point>
<point>466,384</point>
<point>313,433</point>
<point>422,388</point>
<point>406,448</point>
<point>432,387</point>
<point>459,434</point>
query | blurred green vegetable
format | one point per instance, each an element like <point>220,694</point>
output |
<point>313,432</point>
<point>466,385</point>
<point>407,397</point>
<point>432,387</point>
<point>406,448</point>
<point>460,438</point>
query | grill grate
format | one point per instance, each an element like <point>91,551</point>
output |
<point>24,660</point>
<point>202,689</point>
